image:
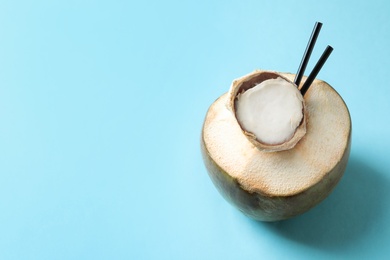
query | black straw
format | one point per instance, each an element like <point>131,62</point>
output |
<point>316,69</point>
<point>308,51</point>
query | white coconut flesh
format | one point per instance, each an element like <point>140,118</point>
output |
<point>271,110</point>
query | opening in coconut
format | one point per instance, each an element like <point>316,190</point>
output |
<point>269,109</point>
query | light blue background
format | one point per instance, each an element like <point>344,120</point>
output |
<point>101,108</point>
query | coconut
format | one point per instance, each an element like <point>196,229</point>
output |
<point>271,182</point>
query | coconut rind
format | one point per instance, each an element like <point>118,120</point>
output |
<point>264,205</point>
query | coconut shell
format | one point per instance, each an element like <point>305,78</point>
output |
<point>271,186</point>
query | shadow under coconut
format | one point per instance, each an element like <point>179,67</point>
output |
<point>345,216</point>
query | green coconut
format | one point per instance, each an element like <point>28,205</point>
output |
<point>271,182</point>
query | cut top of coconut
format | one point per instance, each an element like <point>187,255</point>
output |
<point>271,110</point>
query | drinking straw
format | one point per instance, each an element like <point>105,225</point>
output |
<point>308,51</point>
<point>316,69</point>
